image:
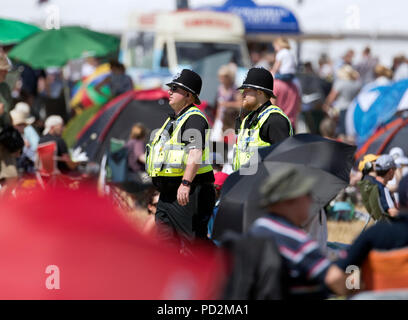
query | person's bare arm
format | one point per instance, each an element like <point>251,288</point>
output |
<point>193,164</point>
<point>336,280</point>
<point>101,84</point>
<point>275,67</point>
<point>393,212</point>
<point>67,159</point>
<point>142,158</point>
<point>330,99</point>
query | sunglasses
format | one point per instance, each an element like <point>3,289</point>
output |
<point>173,87</point>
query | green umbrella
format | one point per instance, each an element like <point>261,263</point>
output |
<point>12,31</point>
<point>54,48</point>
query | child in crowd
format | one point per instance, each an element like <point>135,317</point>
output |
<point>284,67</point>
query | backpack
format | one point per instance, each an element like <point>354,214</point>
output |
<point>371,199</point>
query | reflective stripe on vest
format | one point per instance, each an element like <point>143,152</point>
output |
<point>249,140</point>
<point>168,158</point>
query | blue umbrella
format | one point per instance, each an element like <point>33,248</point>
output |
<point>375,106</point>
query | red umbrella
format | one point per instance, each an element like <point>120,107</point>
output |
<point>73,244</point>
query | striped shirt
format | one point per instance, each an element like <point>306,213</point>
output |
<point>304,264</point>
<point>386,200</point>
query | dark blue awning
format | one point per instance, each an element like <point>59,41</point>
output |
<point>262,19</point>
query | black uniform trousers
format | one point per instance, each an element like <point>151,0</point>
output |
<point>179,226</point>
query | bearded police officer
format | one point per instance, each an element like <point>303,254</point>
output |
<point>178,162</point>
<point>266,124</point>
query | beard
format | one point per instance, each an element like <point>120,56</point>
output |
<point>248,105</point>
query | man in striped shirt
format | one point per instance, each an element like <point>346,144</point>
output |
<point>385,168</point>
<point>287,196</point>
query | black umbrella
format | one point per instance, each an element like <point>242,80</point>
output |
<point>329,160</point>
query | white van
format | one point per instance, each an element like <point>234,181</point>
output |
<point>159,45</point>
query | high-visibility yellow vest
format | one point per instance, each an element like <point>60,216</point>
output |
<point>249,139</point>
<point>166,157</point>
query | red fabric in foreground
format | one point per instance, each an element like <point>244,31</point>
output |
<point>98,254</point>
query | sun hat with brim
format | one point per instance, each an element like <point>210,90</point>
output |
<point>190,81</point>
<point>25,108</point>
<point>367,158</point>
<point>259,79</point>
<point>396,152</point>
<point>402,161</point>
<point>285,184</point>
<point>52,121</point>
<point>18,117</point>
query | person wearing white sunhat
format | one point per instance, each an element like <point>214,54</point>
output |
<point>30,134</point>
<point>397,154</point>
<point>54,126</point>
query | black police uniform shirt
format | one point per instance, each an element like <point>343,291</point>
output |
<point>195,122</point>
<point>275,128</point>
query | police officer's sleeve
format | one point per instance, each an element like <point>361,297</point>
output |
<point>193,132</point>
<point>275,129</point>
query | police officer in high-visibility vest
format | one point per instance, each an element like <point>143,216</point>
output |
<point>265,124</point>
<point>177,159</point>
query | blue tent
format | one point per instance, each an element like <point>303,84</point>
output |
<point>375,106</point>
<point>261,19</point>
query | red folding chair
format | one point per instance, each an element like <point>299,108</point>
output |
<point>47,164</point>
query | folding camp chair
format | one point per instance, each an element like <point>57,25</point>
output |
<point>46,152</point>
<point>385,270</point>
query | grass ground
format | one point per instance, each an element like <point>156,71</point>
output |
<point>345,232</point>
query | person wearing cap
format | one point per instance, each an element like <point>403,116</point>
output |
<point>367,182</point>
<point>266,124</point>
<point>397,154</point>
<point>6,99</point>
<point>286,195</point>
<point>54,126</point>
<point>385,168</point>
<point>22,112</point>
<point>20,120</point>
<point>178,161</point>
<point>383,236</point>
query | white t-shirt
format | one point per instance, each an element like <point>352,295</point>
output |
<point>401,72</point>
<point>287,60</point>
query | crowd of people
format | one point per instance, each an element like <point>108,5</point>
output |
<point>264,110</point>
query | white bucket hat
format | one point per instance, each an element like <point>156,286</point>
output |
<point>25,108</point>
<point>52,121</point>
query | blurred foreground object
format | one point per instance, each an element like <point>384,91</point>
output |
<point>96,253</point>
